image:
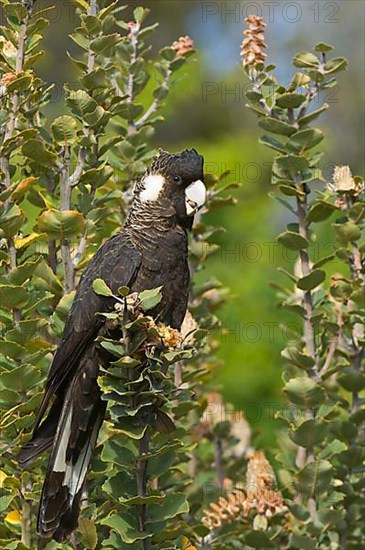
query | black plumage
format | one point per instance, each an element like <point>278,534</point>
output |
<point>151,250</point>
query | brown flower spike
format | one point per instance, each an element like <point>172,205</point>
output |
<point>252,47</point>
<point>182,46</point>
<point>7,79</point>
<point>260,495</point>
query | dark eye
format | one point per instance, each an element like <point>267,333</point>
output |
<point>177,179</point>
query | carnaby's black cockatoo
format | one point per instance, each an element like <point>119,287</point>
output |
<point>151,250</point>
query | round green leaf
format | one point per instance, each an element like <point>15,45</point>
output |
<point>36,150</point>
<point>306,60</point>
<point>276,126</point>
<point>320,211</point>
<point>140,14</point>
<point>258,539</point>
<point>309,434</point>
<point>88,534</point>
<point>304,391</point>
<point>306,119</point>
<point>292,240</point>
<point>299,80</point>
<point>347,232</point>
<point>81,103</point>
<point>289,166</point>
<point>64,129</point>
<point>20,84</point>
<point>290,190</point>
<point>15,10</point>
<point>150,298</point>
<point>128,532</point>
<point>100,287</point>
<point>322,47</point>
<point>168,53</point>
<point>290,101</point>
<point>335,65</point>
<point>273,143</point>
<point>11,220</point>
<point>305,139</point>
<point>315,478</point>
<point>301,360</point>
<point>302,542</point>
<point>351,380</point>
<point>173,505</point>
<point>105,42</point>
<point>315,278</point>
<point>61,224</point>
<point>13,296</point>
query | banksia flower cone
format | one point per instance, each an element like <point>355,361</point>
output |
<point>260,495</point>
<point>252,48</point>
<point>343,180</point>
<point>182,46</point>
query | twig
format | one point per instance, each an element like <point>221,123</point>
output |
<point>117,88</point>
<point>356,267</point>
<point>75,177</point>
<point>312,93</point>
<point>218,460</point>
<point>129,90</point>
<point>141,475</point>
<point>305,269</point>
<point>93,10</point>
<point>26,539</point>
<point>65,191</point>
<point>68,181</point>
<point>52,255</point>
<point>309,337</point>
<point>10,127</point>
<point>178,374</point>
<point>154,105</point>
<point>130,84</point>
<point>9,131</point>
<point>80,251</point>
<point>332,348</point>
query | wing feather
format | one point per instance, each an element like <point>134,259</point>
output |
<point>116,262</point>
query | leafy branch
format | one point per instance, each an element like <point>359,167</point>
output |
<point>317,360</point>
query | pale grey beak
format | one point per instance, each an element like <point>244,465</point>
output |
<point>195,196</point>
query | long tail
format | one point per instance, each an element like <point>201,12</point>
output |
<point>77,431</point>
<point>42,437</point>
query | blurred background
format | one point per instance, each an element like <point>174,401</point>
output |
<point>206,110</point>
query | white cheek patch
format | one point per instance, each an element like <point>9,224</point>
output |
<point>195,196</point>
<point>153,186</point>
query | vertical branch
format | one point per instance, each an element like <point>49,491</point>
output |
<point>178,370</point>
<point>52,248</point>
<point>357,334</point>
<point>68,181</point>
<point>306,455</point>
<point>9,131</point>
<point>141,478</point>
<point>154,105</point>
<point>93,10</point>
<point>129,90</point>
<point>144,442</point>
<point>309,338</point>
<point>65,191</point>
<point>26,519</point>
<point>218,460</point>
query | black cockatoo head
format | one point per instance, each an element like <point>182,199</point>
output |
<point>173,183</point>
